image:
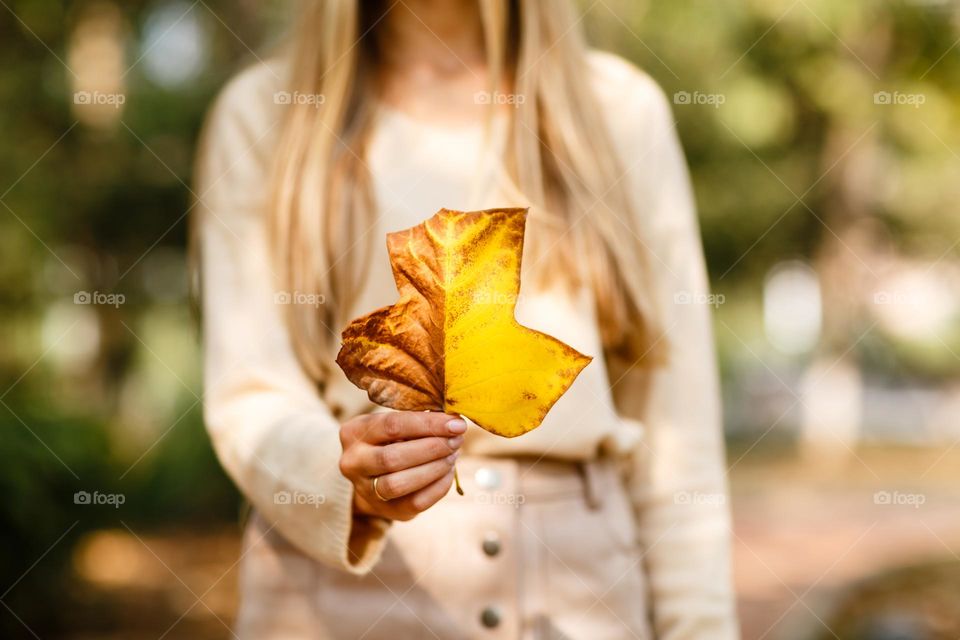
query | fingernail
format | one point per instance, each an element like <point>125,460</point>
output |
<point>453,457</point>
<point>454,442</point>
<point>456,426</point>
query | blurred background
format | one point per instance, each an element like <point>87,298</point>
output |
<point>824,142</point>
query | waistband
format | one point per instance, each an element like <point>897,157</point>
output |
<point>516,480</point>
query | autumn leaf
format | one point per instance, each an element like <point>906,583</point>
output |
<point>451,342</point>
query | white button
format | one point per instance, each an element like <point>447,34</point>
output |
<point>487,478</point>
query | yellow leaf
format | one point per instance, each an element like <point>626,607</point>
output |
<point>451,342</point>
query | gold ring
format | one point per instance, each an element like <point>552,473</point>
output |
<point>376,492</point>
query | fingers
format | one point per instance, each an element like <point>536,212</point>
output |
<point>377,460</point>
<point>401,483</point>
<point>383,428</point>
<point>424,498</point>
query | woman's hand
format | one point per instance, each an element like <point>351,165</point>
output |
<point>410,453</point>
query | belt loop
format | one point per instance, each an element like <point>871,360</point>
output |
<point>592,491</point>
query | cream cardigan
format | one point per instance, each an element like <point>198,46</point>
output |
<point>274,433</point>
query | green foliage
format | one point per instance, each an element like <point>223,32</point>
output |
<point>802,160</point>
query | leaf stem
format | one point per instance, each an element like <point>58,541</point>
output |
<point>456,481</point>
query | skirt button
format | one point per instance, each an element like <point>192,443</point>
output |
<point>491,544</point>
<point>487,478</point>
<point>490,617</point>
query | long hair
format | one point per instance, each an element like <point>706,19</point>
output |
<point>559,156</point>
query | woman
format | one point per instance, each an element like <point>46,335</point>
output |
<point>609,520</point>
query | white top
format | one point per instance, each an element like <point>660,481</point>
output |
<point>273,432</point>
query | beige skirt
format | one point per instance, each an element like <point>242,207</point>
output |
<point>534,550</point>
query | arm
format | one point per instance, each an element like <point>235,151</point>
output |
<point>677,478</point>
<point>272,432</point>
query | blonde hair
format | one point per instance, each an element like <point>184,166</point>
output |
<point>560,157</point>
